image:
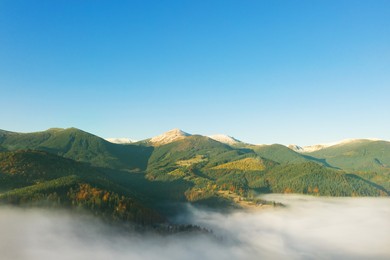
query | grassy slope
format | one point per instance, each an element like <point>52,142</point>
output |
<point>169,157</point>
<point>246,164</point>
<point>282,154</point>
<point>81,146</point>
<point>363,155</point>
<point>28,167</point>
<point>40,178</point>
<point>312,178</point>
<point>193,168</point>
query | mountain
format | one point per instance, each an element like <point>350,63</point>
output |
<point>122,140</point>
<point>4,132</point>
<point>205,163</point>
<point>317,147</point>
<point>28,167</point>
<point>81,146</point>
<point>168,137</point>
<point>190,151</point>
<point>357,155</point>
<point>225,139</point>
<point>311,178</point>
<point>295,147</point>
<point>145,182</point>
<point>38,178</point>
<point>308,149</point>
<point>281,154</point>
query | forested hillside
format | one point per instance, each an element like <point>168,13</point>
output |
<point>145,183</point>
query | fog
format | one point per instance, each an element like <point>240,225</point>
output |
<point>308,228</point>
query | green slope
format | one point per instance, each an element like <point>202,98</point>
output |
<point>195,169</point>
<point>212,166</point>
<point>193,152</point>
<point>28,167</point>
<point>196,161</point>
<point>37,178</point>
<point>361,155</point>
<point>282,154</point>
<point>311,178</point>
<point>81,146</point>
<point>304,178</point>
<point>74,192</point>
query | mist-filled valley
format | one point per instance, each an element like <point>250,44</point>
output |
<point>195,130</point>
<point>307,228</point>
<point>69,194</point>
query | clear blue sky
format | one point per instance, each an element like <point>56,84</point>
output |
<point>263,71</point>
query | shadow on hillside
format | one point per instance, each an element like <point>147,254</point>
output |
<point>321,161</point>
<point>152,193</point>
<point>369,182</point>
<point>132,156</point>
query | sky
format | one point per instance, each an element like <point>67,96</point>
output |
<point>301,72</point>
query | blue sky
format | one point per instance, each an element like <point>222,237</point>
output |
<point>263,71</point>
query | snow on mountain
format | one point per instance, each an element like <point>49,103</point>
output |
<point>224,139</point>
<point>316,147</point>
<point>169,137</point>
<point>123,140</point>
<point>307,149</point>
<point>295,147</point>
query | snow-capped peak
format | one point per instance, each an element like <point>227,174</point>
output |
<point>226,139</point>
<point>168,137</point>
<point>295,147</point>
<point>122,140</point>
<point>307,149</point>
<point>316,147</point>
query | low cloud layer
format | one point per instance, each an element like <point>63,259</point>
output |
<point>309,228</point>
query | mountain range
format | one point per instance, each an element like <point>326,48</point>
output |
<point>142,182</point>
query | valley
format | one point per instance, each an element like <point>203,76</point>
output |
<point>141,182</point>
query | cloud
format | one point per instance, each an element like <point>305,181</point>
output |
<point>309,228</point>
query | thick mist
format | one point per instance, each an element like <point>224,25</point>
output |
<point>308,228</point>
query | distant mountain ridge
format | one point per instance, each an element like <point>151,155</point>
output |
<point>82,146</point>
<point>226,139</point>
<point>168,137</point>
<point>177,134</point>
<point>79,145</point>
<point>135,181</point>
<point>121,140</point>
<point>316,147</point>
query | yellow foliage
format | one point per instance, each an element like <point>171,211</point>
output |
<point>189,162</point>
<point>247,164</point>
<point>106,196</point>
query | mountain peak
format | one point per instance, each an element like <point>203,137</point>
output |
<point>226,139</point>
<point>295,147</point>
<point>317,147</point>
<point>122,140</point>
<point>169,137</point>
<point>176,131</point>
